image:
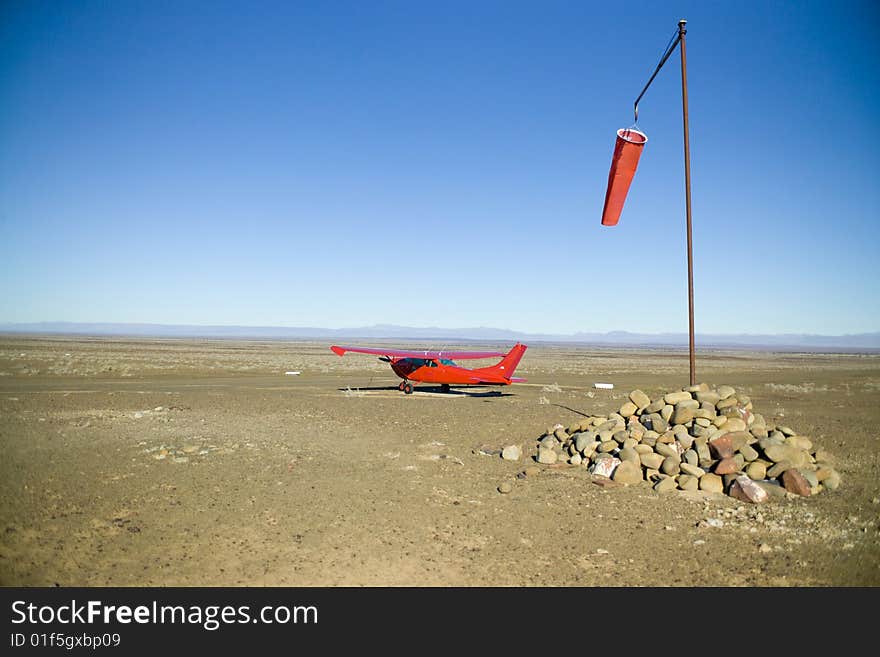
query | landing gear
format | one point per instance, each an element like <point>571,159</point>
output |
<point>444,387</point>
<point>408,388</point>
<point>400,385</point>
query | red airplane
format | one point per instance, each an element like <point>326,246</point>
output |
<point>438,366</point>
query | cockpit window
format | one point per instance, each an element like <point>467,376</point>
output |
<point>415,363</point>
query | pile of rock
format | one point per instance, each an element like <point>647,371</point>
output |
<point>696,438</point>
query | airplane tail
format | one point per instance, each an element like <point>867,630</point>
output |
<point>509,363</point>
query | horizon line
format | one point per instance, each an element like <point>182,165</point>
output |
<point>58,326</point>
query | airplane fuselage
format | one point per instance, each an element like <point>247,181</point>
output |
<point>431,371</point>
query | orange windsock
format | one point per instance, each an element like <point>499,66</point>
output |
<point>627,150</point>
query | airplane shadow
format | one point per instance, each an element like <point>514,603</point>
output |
<point>433,389</point>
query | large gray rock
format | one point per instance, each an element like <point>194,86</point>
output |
<point>628,409</point>
<point>651,461</point>
<point>710,396</point>
<point>608,446</point>
<point>711,483</point>
<point>797,457</point>
<point>758,432</point>
<point>724,404</point>
<point>697,431</point>
<point>511,453</point>
<point>772,488</point>
<point>680,432</point>
<point>640,399</point>
<point>692,470</point>
<point>628,473</point>
<point>608,425</point>
<point>703,451</point>
<point>812,479</point>
<point>674,397</point>
<point>692,404</point>
<point>549,442</point>
<point>756,470</point>
<point>682,415</point>
<point>629,454</point>
<point>665,485</point>
<point>688,482</point>
<point>665,449</point>
<point>584,439</point>
<point>686,440</point>
<point>655,406</point>
<point>547,456</point>
<point>749,453</point>
<point>658,423</point>
<point>653,475</point>
<point>636,429</point>
<point>725,391</point>
<point>670,466</point>
<point>589,449</point>
<point>735,424</point>
<point>777,469</point>
<point>604,435</point>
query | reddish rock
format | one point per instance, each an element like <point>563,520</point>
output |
<point>726,466</point>
<point>747,490</point>
<point>722,447</point>
<point>738,439</point>
<point>794,482</point>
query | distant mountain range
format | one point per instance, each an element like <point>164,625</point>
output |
<point>858,341</point>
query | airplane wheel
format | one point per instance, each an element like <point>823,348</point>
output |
<point>400,385</point>
<point>408,388</point>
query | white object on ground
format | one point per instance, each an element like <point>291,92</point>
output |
<point>292,373</point>
<point>604,386</point>
<point>605,467</point>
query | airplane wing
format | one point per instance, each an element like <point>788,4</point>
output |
<point>404,353</point>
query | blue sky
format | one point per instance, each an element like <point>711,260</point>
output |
<point>437,164</point>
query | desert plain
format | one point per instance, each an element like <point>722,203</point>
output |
<point>172,462</point>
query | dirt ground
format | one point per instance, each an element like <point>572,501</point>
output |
<point>187,462</point>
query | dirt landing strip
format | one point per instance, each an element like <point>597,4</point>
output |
<point>136,462</point>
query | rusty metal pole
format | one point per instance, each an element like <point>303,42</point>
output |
<point>687,187</point>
